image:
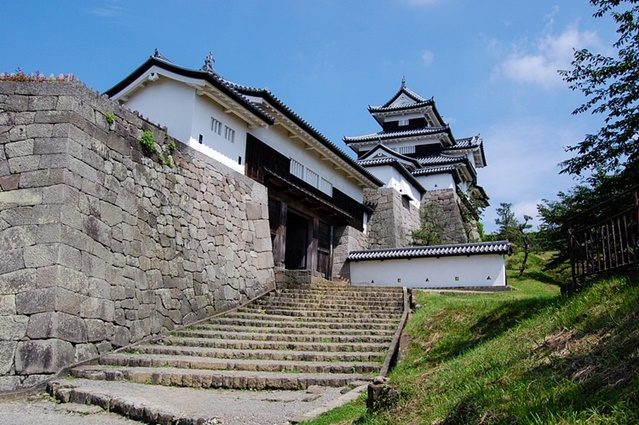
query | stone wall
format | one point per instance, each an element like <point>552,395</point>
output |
<point>103,246</point>
<point>393,220</point>
<point>347,239</point>
<point>454,230</point>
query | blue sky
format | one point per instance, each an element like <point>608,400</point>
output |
<point>490,65</point>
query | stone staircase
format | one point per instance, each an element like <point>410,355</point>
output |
<point>319,334</point>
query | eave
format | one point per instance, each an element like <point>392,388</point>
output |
<point>202,82</point>
<point>297,129</point>
<point>443,134</point>
<point>433,251</point>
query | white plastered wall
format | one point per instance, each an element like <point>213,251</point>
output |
<point>394,179</point>
<point>432,272</point>
<point>278,138</point>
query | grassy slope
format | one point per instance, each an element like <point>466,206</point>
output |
<point>525,356</point>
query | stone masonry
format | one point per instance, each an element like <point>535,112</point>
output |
<point>454,231</point>
<point>393,220</point>
<point>102,245</point>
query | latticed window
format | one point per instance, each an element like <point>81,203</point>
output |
<point>405,150</point>
<point>312,178</point>
<point>326,187</point>
<point>216,126</point>
<point>229,134</point>
<point>297,169</point>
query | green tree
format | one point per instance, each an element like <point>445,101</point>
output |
<point>432,222</point>
<point>518,233</point>
<point>607,162</point>
<point>611,86</point>
<point>508,225</point>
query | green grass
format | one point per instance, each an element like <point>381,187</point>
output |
<point>528,356</point>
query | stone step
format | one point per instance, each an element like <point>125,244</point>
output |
<point>180,347</point>
<point>388,332</point>
<point>274,345</point>
<point>231,379</point>
<point>292,335</point>
<point>340,295</point>
<point>288,339</point>
<point>323,313</point>
<point>266,321</point>
<point>357,291</point>
<point>259,365</point>
<point>351,305</point>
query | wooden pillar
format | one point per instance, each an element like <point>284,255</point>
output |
<point>313,243</point>
<point>279,241</point>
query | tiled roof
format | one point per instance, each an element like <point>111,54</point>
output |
<point>400,107</point>
<point>240,93</point>
<point>467,143</point>
<point>409,175</point>
<point>397,134</point>
<point>479,248</point>
<point>408,92</point>
<point>268,95</point>
<point>440,159</point>
<point>210,77</point>
<point>376,161</point>
<point>434,170</point>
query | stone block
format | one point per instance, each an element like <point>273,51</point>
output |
<point>262,229</point>
<point>56,145</point>
<point>18,281</point>
<point>85,352</point>
<point>42,103</point>
<point>8,383</point>
<point>17,103</point>
<point>68,301</point>
<point>110,214</point>
<point>36,301</point>
<point>53,161</point>
<point>19,148</point>
<point>22,197</point>
<point>7,353</point>
<point>57,325</point>
<point>121,336</point>
<point>96,330</point>
<point>62,277</point>
<point>7,305</point>
<point>12,260</point>
<point>43,356</point>
<point>13,328</point>
<point>39,130</point>
<point>24,163</point>
<point>8,182</point>
<point>41,255</point>
<point>93,266</point>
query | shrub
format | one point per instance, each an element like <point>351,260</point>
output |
<point>147,141</point>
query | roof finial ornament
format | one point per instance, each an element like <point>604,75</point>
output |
<point>403,81</point>
<point>159,55</point>
<point>208,64</point>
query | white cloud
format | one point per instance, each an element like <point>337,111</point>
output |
<point>427,57</point>
<point>108,10</point>
<point>522,169</point>
<point>539,63</point>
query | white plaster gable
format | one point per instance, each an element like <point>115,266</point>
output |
<point>402,100</point>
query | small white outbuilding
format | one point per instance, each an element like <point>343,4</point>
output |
<point>471,265</point>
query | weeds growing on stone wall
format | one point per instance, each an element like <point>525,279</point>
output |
<point>36,77</point>
<point>147,141</point>
<point>149,146</point>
